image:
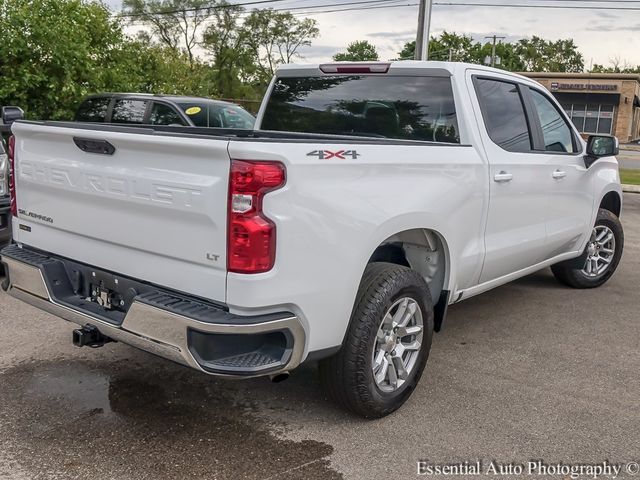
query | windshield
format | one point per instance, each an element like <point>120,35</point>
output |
<point>208,114</point>
<point>409,108</point>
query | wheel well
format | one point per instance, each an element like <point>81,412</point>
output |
<point>611,201</point>
<point>423,251</point>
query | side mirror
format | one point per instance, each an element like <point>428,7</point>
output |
<point>599,146</point>
<point>11,114</point>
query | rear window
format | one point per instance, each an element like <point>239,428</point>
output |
<point>408,108</point>
<point>205,114</point>
<point>93,110</point>
<point>128,111</point>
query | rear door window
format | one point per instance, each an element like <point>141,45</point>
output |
<point>93,110</point>
<point>162,114</point>
<point>397,107</point>
<point>504,114</point>
<point>128,111</point>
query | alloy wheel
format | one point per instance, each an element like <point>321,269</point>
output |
<point>600,251</point>
<point>397,344</point>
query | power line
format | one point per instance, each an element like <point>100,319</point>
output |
<point>583,7</point>
<point>465,4</point>
<point>283,9</point>
<point>255,2</point>
<point>371,5</point>
<point>202,7</point>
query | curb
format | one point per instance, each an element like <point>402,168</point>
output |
<point>631,188</point>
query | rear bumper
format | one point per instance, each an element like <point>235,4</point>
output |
<point>232,346</point>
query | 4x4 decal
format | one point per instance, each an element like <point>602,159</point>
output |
<point>327,154</point>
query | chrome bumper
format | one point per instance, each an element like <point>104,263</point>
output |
<point>149,328</point>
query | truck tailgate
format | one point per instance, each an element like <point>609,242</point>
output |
<point>154,209</point>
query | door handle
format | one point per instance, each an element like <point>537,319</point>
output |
<point>503,177</point>
<point>558,174</point>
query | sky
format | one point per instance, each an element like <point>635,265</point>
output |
<point>601,35</point>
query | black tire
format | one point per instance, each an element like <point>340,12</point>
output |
<point>571,272</point>
<point>348,375</point>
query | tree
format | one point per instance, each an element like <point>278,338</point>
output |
<point>57,51</point>
<point>535,54</point>
<point>616,66</point>
<point>509,59</point>
<point>359,51</point>
<point>273,38</point>
<point>223,41</point>
<point>458,48</point>
<point>53,52</point>
<point>176,23</point>
<point>539,55</point>
<point>408,51</point>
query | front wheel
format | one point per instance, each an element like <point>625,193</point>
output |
<point>387,343</point>
<point>601,256</point>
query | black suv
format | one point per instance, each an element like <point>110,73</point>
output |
<point>147,109</point>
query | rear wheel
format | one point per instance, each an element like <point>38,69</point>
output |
<point>387,343</point>
<point>601,256</point>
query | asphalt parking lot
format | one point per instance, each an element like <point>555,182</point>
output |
<point>531,370</point>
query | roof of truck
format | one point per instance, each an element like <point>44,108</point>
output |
<point>405,67</point>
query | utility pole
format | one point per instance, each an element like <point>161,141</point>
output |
<point>493,49</point>
<point>424,25</point>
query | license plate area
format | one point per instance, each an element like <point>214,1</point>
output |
<point>106,298</point>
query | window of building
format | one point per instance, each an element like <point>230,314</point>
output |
<point>504,115</point>
<point>591,117</point>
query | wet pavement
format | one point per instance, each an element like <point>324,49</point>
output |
<point>531,370</point>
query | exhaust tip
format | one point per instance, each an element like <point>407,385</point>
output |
<point>279,377</point>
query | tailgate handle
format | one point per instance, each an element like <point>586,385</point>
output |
<point>91,145</point>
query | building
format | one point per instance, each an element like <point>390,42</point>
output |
<point>598,102</point>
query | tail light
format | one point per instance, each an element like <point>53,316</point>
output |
<point>251,237</point>
<point>12,175</point>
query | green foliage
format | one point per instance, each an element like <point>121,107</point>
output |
<point>272,38</point>
<point>630,177</point>
<point>408,52</point>
<point>460,48</point>
<point>223,42</point>
<point>176,23</point>
<point>57,51</point>
<point>359,51</point>
<point>54,52</point>
<point>616,68</point>
<point>243,54</point>
<point>535,54</point>
<point>539,55</point>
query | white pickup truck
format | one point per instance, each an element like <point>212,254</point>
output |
<point>369,197</point>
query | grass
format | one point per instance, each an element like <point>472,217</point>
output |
<point>630,177</point>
